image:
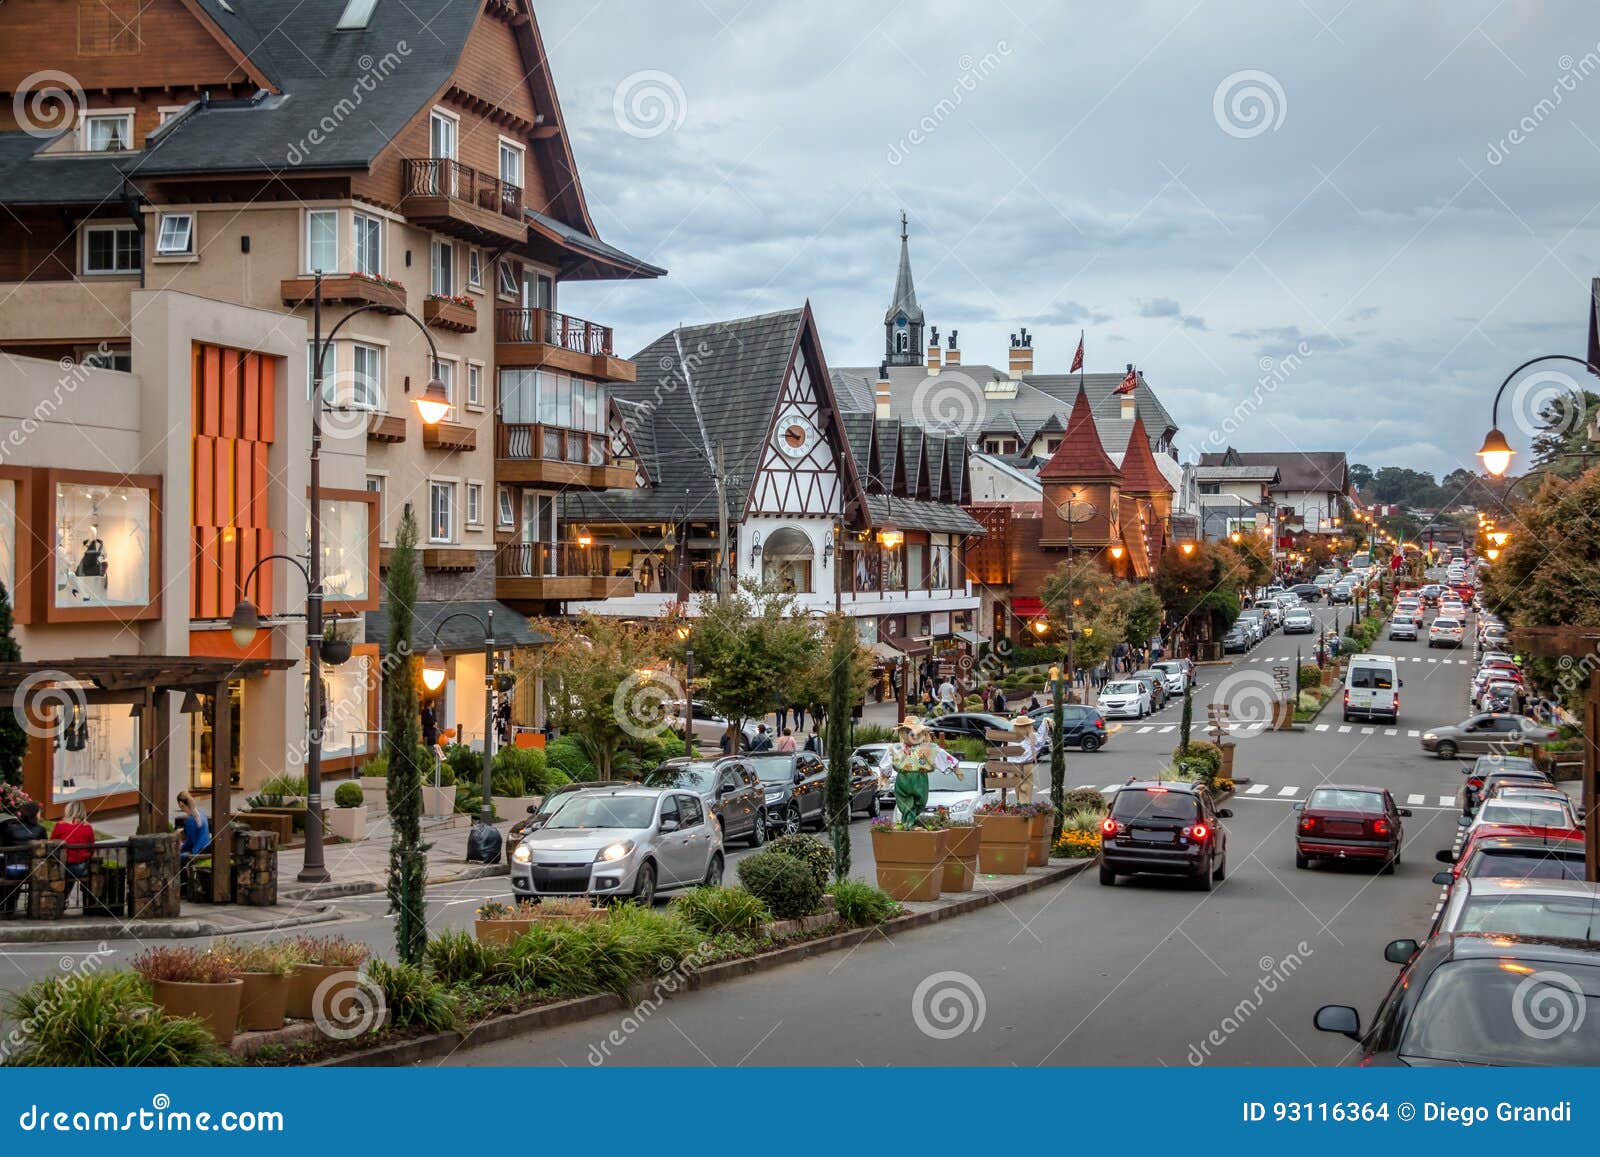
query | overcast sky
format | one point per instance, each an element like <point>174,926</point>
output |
<point>1203,187</point>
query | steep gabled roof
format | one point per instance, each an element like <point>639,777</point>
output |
<point>1080,454</point>
<point>1297,470</point>
<point>1140,474</point>
<point>905,292</point>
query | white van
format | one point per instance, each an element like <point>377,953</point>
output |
<point>1372,688</point>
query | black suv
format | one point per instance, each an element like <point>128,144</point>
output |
<point>1166,827</point>
<point>968,724</point>
<point>1081,726</point>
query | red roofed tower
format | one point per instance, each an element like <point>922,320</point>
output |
<point>1146,493</point>
<point>1082,482</point>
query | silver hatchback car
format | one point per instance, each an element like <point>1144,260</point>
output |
<point>628,842</point>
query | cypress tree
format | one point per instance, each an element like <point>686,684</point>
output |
<point>841,659</point>
<point>408,859</point>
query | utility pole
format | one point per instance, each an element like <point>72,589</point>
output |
<point>722,530</point>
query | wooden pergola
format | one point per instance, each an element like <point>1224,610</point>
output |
<point>139,680</point>
<point>1580,647</point>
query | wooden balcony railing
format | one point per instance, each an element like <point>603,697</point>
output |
<point>552,560</point>
<point>547,327</point>
<point>452,179</point>
<point>535,442</point>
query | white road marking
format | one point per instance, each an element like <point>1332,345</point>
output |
<point>1322,727</point>
<point>1413,734</point>
<point>1447,801</point>
<point>1368,730</point>
<point>1288,790</point>
<point>1255,789</point>
<point>1391,731</point>
<point>1413,799</point>
<point>1145,729</point>
<point>1169,727</point>
<point>1345,729</point>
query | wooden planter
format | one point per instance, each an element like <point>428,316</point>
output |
<point>1039,840</point>
<point>501,932</point>
<point>1003,846</point>
<point>961,859</point>
<point>263,1002</point>
<point>910,864</point>
<point>306,979</point>
<point>215,1004</point>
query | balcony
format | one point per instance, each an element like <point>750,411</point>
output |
<point>450,436</point>
<point>386,428</point>
<point>346,289</point>
<point>449,313</point>
<point>559,571</point>
<point>543,337</point>
<point>456,199</point>
<point>539,455</point>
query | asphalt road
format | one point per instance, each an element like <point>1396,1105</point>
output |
<point>1145,973</point>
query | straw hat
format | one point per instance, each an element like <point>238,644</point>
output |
<point>1022,723</point>
<point>912,725</point>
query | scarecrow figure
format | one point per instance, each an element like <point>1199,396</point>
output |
<point>912,758</point>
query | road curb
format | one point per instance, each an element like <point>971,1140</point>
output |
<point>182,928</point>
<point>333,891</point>
<point>440,1045</point>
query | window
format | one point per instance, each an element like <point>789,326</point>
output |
<point>474,386</point>
<point>366,387</point>
<point>107,358</point>
<point>167,112</point>
<point>505,508</point>
<point>102,546</point>
<point>447,375</point>
<point>1210,488</point>
<point>510,164</point>
<point>442,129</point>
<point>330,368</point>
<point>176,235</point>
<point>474,269</point>
<point>379,485</point>
<point>507,280</point>
<point>441,511</point>
<point>474,503</point>
<point>112,249</point>
<point>369,245</point>
<point>444,262</point>
<point>322,240</point>
<point>107,132</point>
<point>345,554</point>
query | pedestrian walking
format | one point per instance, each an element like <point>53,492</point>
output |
<point>763,740</point>
<point>999,700</point>
<point>785,744</point>
<point>782,714</point>
<point>799,712</point>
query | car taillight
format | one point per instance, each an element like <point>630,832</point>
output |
<point>1100,723</point>
<point>1197,831</point>
<point>1109,826</point>
<point>1308,823</point>
<point>1347,696</point>
<point>1380,827</point>
<point>1475,783</point>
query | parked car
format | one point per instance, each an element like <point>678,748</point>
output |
<point>1169,828</point>
<point>796,789</point>
<point>959,790</point>
<point>1236,640</point>
<point>540,812</point>
<point>1463,1000</point>
<point>1156,683</point>
<point>709,727</point>
<point>1499,695</point>
<point>1082,726</point>
<point>1299,621</point>
<point>1403,626</point>
<point>1339,822</point>
<point>1516,855</point>
<point>875,757</point>
<point>729,788</point>
<point>1443,632</point>
<point>1307,592</point>
<point>1520,814</point>
<point>1485,734</point>
<point>968,724</point>
<point>1478,786</point>
<point>1125,699</point>
<point>632,841</point>
<point>1175,674</point>
<point>1568,909</point>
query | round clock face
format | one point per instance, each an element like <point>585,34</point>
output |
<point>796,436</point>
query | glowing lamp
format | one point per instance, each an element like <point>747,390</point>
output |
<point>433,404</point>
<point>433,668</point>
<point>1496,452</point>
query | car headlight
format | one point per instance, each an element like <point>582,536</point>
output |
<point>1429,735</point>
<point>521,854</point>
<point>774,796</point>
<point>614,852</point>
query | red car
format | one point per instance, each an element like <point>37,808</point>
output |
<point>1344,821</point>
<point>1516,850</point>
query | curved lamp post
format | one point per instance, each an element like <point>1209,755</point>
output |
<point>243,624</point>
<point>433,676</point>
<point>1496,452</point>
<point>1072,510</point>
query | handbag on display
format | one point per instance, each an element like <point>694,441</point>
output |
<point>93,562</point>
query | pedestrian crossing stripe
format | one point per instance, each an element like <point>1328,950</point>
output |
<point>1345,729</point>
<point>1411,799</point>
<point>1322,727</point>
<point>1255,789</point>
<point>1413,734</point>
<point>1391,731</point>
<point>1368,730</point>
<point>1288,791</point>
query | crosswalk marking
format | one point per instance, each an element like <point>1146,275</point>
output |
<point>1368,730</point>
<point>1322,727</point>
<point>1168,727</point>
<point>1447,801</point>
<point>1410,799</point>
<point>1146,729</point>
<point>1413,734</point>
<point>1344,729</point>
<point>1391,731</point>
<point>1255,789</point>
<point>1288,790</point>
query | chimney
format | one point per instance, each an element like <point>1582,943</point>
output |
<point>952,355</point>
<point>933,350</point>
<point>1021,353</point>
<point>1129,406</point>
<point>881,394</point>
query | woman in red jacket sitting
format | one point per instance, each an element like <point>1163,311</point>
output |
<point>75,831</point>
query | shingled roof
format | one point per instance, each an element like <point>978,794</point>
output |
<point>1080,454</point>
<point>1297,470</point>
<point>1140,474</point>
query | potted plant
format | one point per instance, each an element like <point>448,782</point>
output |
<point>324,966</point>
<point>439,797</point>
<point>961,855</point>
<point>909,860</point>
<point>348,819</point>
<point>264,967</point>
<point>336,642</point>
<point>502,924</point>
<point>1040,825</point>
<point>375,776</point>
<point>1004,839</point>
<point>186,982</point>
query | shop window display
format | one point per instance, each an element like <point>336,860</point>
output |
<point>8,537</point>
<point>102,546</point>
<point>345,539</point>
<point>95,750</point>
<point>346,729</point>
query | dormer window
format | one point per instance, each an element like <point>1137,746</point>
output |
<point>357,15</point>
<point>107,132</point>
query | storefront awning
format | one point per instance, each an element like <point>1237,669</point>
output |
<point>884,653</point>
<point>1026,608</point>
<point>973,637</point>
<point>909,646</point>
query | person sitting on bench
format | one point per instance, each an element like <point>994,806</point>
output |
<point>196,830</point>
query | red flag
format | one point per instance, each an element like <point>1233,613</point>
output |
<point>1077,358</point>
<point>1128,384</point>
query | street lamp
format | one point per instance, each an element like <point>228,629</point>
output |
<point>685,637</point>
<point>1187,548</point>
<point>1496,452</point>
<point>1067,513</point>
<point>433,679</point>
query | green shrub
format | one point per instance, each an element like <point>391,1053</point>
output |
<point>464,763</point>
<point>632,944</point>
<point>965,747</point>
<point>865,733</point>
<point>459,958</point>
<point>520,767</point>
<point>789,888</point>
<point>1310,676</point>
<point>284,785</point>
<point>717,910</point>
<point>1083,820</point>
<point>1203,755</point>
<point>813,853</point>
<point>348,794</point>
<point>413,997</point>
<point>568,757</point>
<point>860,905</point>
<point>1083,799</point>
<point>104,1019</point>
<point>655,751</point>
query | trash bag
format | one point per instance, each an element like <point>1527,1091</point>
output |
<point>483,843</point>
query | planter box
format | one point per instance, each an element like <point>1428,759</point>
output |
<point>348,823</point>
<point>1039,841</point>
<point>1003,846</point>
<point>215,1004</point>
<point>316,988</point>
<point>438,801</point>
<point>804,926</point>
<point>456,316</point>
<point>263,1002</point>
<point>961,859</point>
<point>501,932</point>
<point>910,864</point>
<point>514,807</point>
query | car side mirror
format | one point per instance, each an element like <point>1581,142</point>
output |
<point>1405,813</point>
<point>1299,807</point>
<point>799,777</point>
<point>1399,951</point>
<point>1444,879</point>
<point>1402,682</point>
<point>1339,1018</point>
<point>1446,856</point>
<point>1224,813</point>
<point>669,826</point>
<point>533,809</point>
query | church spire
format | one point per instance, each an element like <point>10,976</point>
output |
<point>903,322</point>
